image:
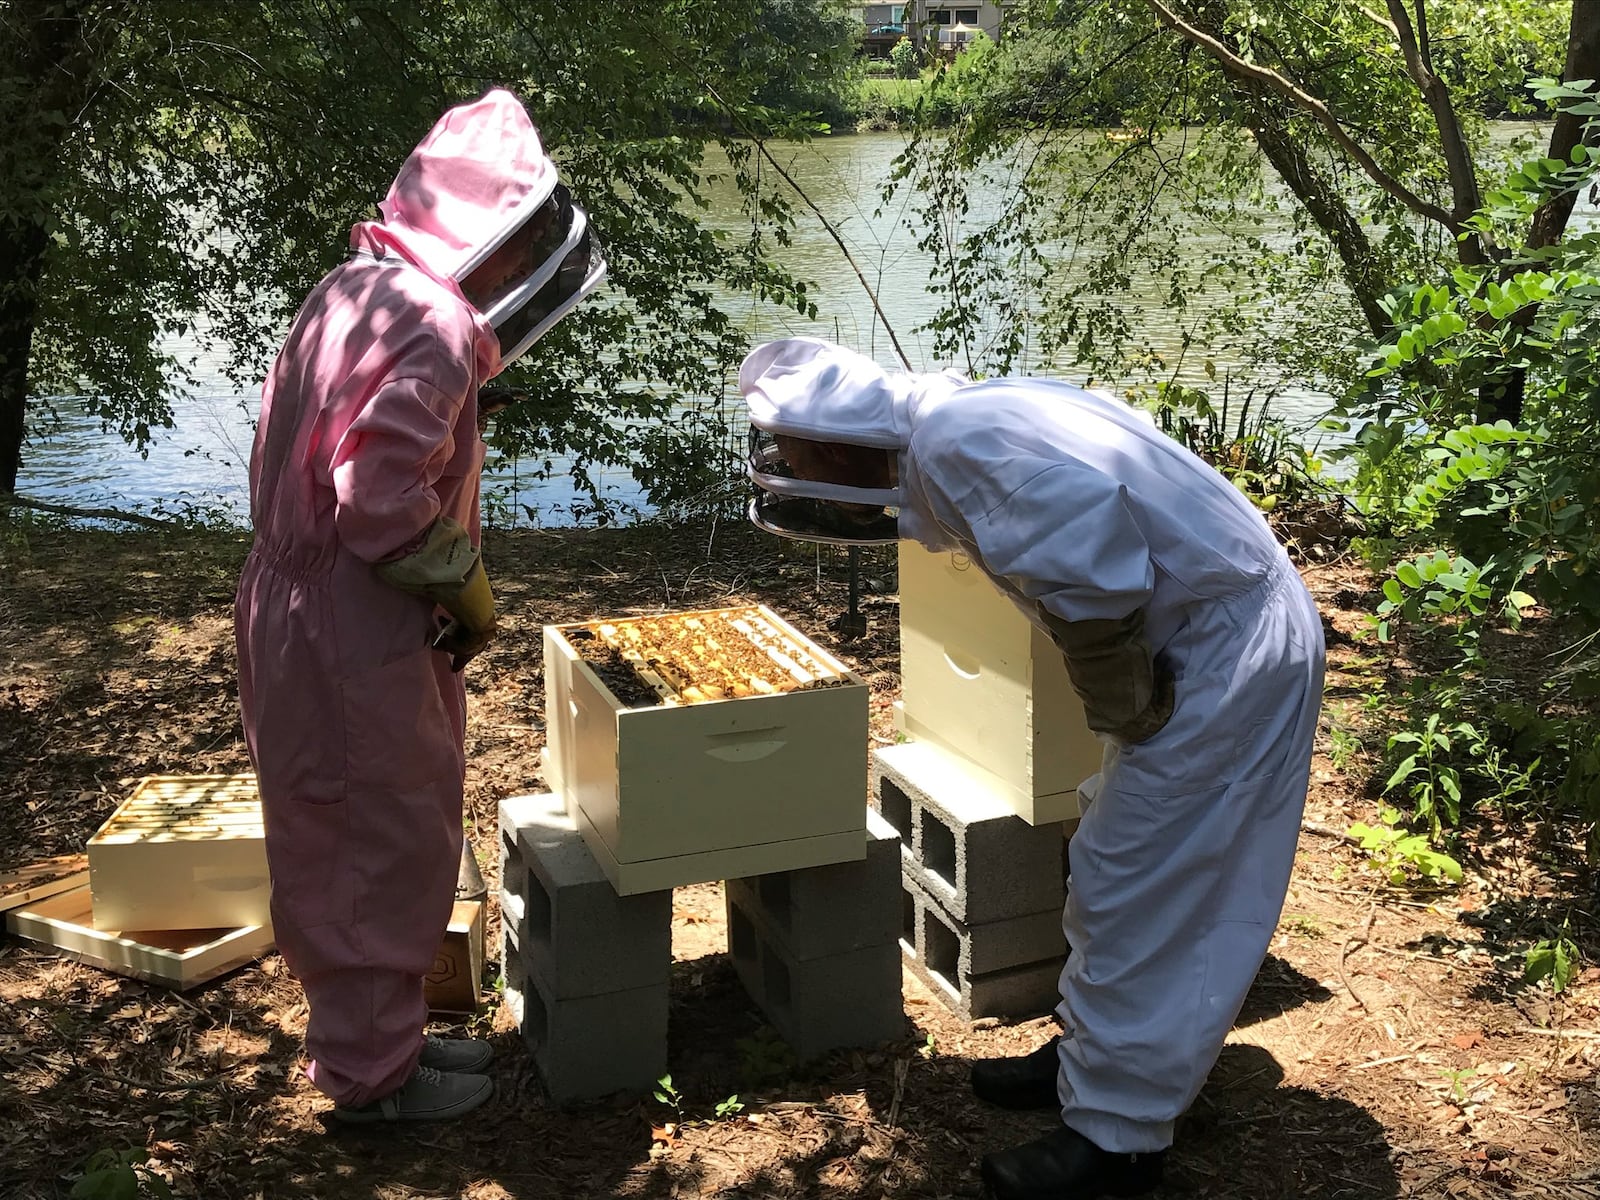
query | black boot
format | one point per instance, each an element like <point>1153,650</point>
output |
<point>1028,1082</point>
<point>1065,1165</point>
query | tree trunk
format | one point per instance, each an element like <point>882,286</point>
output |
<point>1583,62</point>
<point>50,65</point>
<point>1500,398</point>
<point>1267,114</point>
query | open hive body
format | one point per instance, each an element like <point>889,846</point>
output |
<point>752,757</point>
<point>978,679</point>
<point>182,852</point>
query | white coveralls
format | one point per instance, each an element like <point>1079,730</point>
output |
<point>1075,502</point>
<point>1182,860</point>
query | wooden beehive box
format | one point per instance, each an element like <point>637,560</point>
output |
<point>182,852</point>
<point>684,779</point>
<point>180,958</point>
<point>452,985</point>
<point>981,680</point>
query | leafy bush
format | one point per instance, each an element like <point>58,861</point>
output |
<point>1485,523</point>
<point>906,59</point>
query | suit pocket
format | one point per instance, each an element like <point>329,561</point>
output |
<point>398,735</point>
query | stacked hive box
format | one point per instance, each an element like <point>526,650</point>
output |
<point>695,782</point>
<point>182,864</point>
<point>981,792</point>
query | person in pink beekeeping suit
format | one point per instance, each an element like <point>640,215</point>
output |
<point>364,594</point>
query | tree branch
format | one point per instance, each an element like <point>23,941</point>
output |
<point>12,500</point>
<point>1414,45</point>
<point>1238,67</point>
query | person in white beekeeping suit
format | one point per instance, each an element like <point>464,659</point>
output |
<point>1197,654</point>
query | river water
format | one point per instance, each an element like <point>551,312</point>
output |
<point>201,464</point>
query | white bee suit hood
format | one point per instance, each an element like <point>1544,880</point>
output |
<point>808,388</point>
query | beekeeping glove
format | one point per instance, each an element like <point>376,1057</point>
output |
<point>1125,693</point>
<point>447,569</point>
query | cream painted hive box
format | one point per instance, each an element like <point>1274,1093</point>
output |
<point>182,852</point>
<point>703,771</point>
<point>979,679</point>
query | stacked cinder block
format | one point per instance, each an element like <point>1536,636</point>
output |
<point>586,971</point>
<point>818,948</point>
<point>982,888</point>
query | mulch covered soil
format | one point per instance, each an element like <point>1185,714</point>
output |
<point>1389,1048</point>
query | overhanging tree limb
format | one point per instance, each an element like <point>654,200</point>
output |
<point>1239,68</point>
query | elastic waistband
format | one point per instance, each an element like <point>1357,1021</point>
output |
<point>295,565</point>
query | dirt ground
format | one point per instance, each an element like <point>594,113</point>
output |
<point>1389,1047</point>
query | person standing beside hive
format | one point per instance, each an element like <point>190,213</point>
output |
<point>364,595</point>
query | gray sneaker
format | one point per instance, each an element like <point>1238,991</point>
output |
<point>455,1054</point>
<point>429,1095</point>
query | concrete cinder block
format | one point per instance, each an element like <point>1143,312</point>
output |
<point>963,844</point>
<point>577,935</point>
<point>818,1004</point>
<point>1004,968</point>
<point>515,812</point>
<point>513,974</point>
<point>1020,992</point>
<point>591,1046</point>
<point>980,949</point>
<point>832,909</point>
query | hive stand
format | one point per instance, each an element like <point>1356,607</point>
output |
<point>586,970</point>
<point>982,890</point>
<point>818,948</point>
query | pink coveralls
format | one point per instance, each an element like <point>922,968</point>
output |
<point>368,433</point>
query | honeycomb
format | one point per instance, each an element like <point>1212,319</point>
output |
<point>693,658</point>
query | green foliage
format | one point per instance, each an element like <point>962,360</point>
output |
<point>1401,856</point>
<point>1039,220</point>
<point>804,54</point>
<point>1425,773</point>
<point>1555,959</point>
<point>666,1094</point>
<point>731,1107</point>
<point>1241,439</point>
<point>119,1175</point>
<point>906,59</point>
<point>1343,747</point>
<point>229,148</point>
<point>765,1059</point>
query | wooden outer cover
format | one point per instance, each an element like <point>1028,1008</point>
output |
<point>177,959</point>
<point>670,781</point>
<point>980,679</point>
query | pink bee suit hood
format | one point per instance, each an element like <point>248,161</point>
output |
<point>463,191</point>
